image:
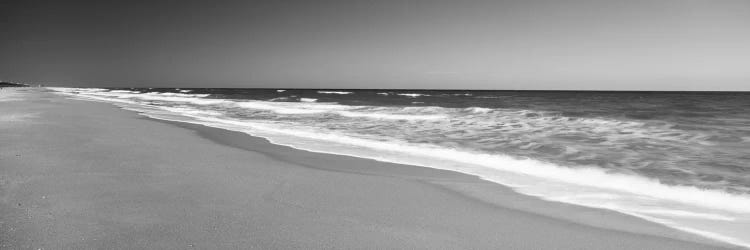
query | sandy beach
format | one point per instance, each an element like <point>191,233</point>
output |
<point>86,175</point>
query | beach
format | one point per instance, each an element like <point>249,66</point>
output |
<point>87,175</point>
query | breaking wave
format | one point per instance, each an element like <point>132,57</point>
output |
<point>335,92</point>
<point>412,95</point>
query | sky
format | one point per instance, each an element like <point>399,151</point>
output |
<point>682,45</point>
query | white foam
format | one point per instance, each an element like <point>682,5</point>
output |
<point>72,94</point>
<point>388,116</point>
<point>280,90</point>
<point>278,99</point>
<point>412,95</point>
<point>308,99</point>
<point>10,96</point>
<point>335,92</point>
<point>176,94</point>
<point>478,110</point>
<point>191,111</point>
<point>280,108</point>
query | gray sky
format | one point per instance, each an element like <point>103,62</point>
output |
<point>525,44</point>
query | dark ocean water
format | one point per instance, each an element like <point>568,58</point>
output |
<point>678,158</point>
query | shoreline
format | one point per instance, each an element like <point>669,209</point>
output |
<point>365,201</point>
<point>468,186</point>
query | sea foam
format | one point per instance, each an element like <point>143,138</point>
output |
<point>390,116</point>
<point>412,95</point>
<point>335,92</point>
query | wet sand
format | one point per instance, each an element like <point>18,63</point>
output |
<point>86,175</point>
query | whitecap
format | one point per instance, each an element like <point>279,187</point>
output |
<point>334,92</point>
<point>412,95</point>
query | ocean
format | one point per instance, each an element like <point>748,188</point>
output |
<point>681,159</point>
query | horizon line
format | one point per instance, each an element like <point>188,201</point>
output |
<point>436,89</point>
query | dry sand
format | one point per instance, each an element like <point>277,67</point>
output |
<point>84,175</point>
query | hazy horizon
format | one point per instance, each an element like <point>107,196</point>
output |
<point>670,45</point>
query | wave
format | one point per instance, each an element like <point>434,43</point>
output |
<point>391,116</point>
<point>11,97</point>
<point>478,110</point>
<point>308,105</point>
<point>280,90</point>
<point>78,95</point>
<point>335,92</point>
<point>81,89</point>
<point>191,111</point>
<point>277,108</point>
<point>124,91</point>
<point>278,99</point>
<point>193,100</point>
<point>412,95</point>
<point>176,94</point>
<point>473,118</point>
